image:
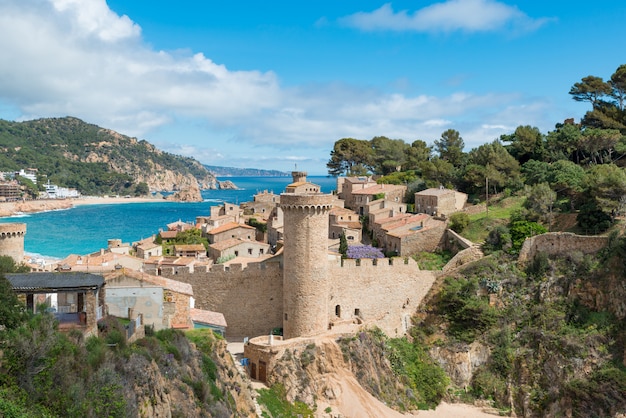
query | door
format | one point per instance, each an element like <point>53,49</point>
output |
<point>262,371</point>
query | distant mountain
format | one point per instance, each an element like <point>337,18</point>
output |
<point>94,160</point>
<point>244,172</point>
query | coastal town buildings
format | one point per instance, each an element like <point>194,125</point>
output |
<point>439,201</point>
<point>300,286</point>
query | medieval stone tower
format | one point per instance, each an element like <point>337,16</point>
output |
<point>298,176</point>
<point>12,241</point>
<point>305,277</point>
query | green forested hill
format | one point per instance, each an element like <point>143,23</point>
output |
<point>94,160</point>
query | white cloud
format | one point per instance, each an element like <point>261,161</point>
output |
<point>448,16</point>
<point>77,57</point>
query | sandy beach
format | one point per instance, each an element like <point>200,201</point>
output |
<point>42,205</point>
<point>113,200</point>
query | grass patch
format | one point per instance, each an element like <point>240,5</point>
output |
<point>499,214</point>
<point>275,402</point>
<point>432,261</point>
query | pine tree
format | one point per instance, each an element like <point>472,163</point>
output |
<point>343,245</point>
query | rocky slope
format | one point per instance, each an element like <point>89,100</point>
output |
<point>72,153</point>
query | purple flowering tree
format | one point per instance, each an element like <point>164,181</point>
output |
<point>364,251</point>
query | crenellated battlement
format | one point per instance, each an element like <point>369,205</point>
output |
<point>307,208</point>
<point>381,263</point>
<point>12,240</point>
<point>309,202</point>
<point>12,230</point>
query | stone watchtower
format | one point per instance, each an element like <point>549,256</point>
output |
<point>12,241</point>
<point>305,279</point>
<point>298,176</point>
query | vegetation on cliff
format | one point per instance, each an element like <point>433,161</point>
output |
<point>554,329</point>
<point>91,159</point>
<point>46,373</point>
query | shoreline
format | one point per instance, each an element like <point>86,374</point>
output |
<point>10,209</point>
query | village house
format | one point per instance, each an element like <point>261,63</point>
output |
<point>237,247</point>
<point>190,250</point>
<point>380,227</point>
<point>147,248</point>
<point>231,230</point>
<point>420,233</point>
<point>168,237</point>
<point>389,192</point>
<point>174,264</point>
<point>347,185</point>
<point>262,205</point>
<point>344,221</point>
<point>99,262</point>
<point>439,202</point>
<point>275,227</point>
<point>180,226</point>
<point>118,247</point>
<point>163,303</point>
<point>75,299</point>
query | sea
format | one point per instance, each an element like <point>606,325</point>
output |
<point>86,229</point>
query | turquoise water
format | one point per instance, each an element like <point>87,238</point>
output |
<point>86,229</point>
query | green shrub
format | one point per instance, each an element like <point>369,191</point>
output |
<point>427,380</point>
<point>469,314</point>
<point>459,221</point>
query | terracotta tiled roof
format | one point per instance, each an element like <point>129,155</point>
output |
<point>189,247</point>
<point>228,227</point>
<point>378,188</point>
<point>208,317</point>
<point>233,242</point>
<point>435,192</point>
<point>411,220</point>
<point>168,234</point>
<point>169,284</point>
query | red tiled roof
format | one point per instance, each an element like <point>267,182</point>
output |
<point>228,227</point>
<point>435,192</point>
<point>378,188</point>
<point>208,317</point>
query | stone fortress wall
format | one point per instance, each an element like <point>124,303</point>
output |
<point>384,294</point>
<point>560,243</point>
<point>12,240</point>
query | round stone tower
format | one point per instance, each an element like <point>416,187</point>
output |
<point>305,261</point>
<point>298,176</point>
<point>12,241</point>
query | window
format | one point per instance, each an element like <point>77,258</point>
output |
<point>357,312</point>
<point>250,251</point>
<point>338,311</point>
<point>261,251</point>
<point>236,253</point>
<point>285,316</point>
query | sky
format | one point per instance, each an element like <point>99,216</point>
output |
<point>274,84</point>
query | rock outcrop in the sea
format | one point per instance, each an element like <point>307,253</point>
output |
<point>186,191</point>
<point>227,185</point>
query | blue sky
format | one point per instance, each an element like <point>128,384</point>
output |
<point>274,84</point>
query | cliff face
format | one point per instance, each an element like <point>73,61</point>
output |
<point>349,377</point>
<point>186,382</point>
<point>95,160</point>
